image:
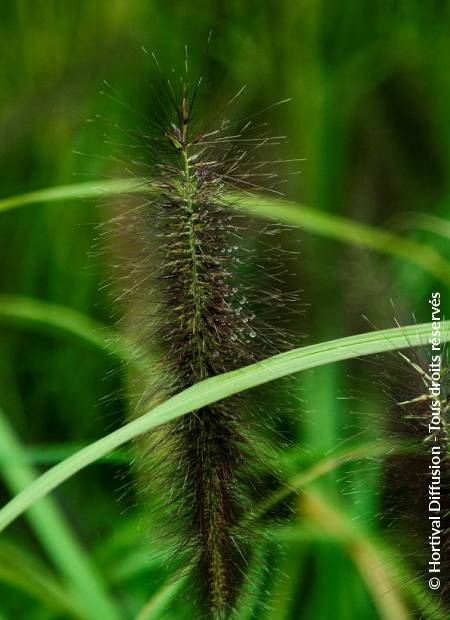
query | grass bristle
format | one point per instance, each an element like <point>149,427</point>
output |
<point>405,513</point>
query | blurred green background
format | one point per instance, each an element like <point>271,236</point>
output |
<point>369,84</point>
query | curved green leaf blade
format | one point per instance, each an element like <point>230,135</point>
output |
<point>57,538</point>
<point>27,310</point>
<point>310,219</point>
<point>217,388</point>
<point>350,231</point>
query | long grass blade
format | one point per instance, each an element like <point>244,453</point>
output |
<point>313,220</point>
<point>56,537</point>
<point>26,574</point>
<point>28,311</point>
<point>217,388</point>
<point>377,575</point>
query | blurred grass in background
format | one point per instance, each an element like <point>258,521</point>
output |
<point>370,85</point>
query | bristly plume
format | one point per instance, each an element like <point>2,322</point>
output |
<point>200,287</point>
<point>422,472</point>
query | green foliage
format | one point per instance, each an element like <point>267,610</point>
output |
<point>369,112</point>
